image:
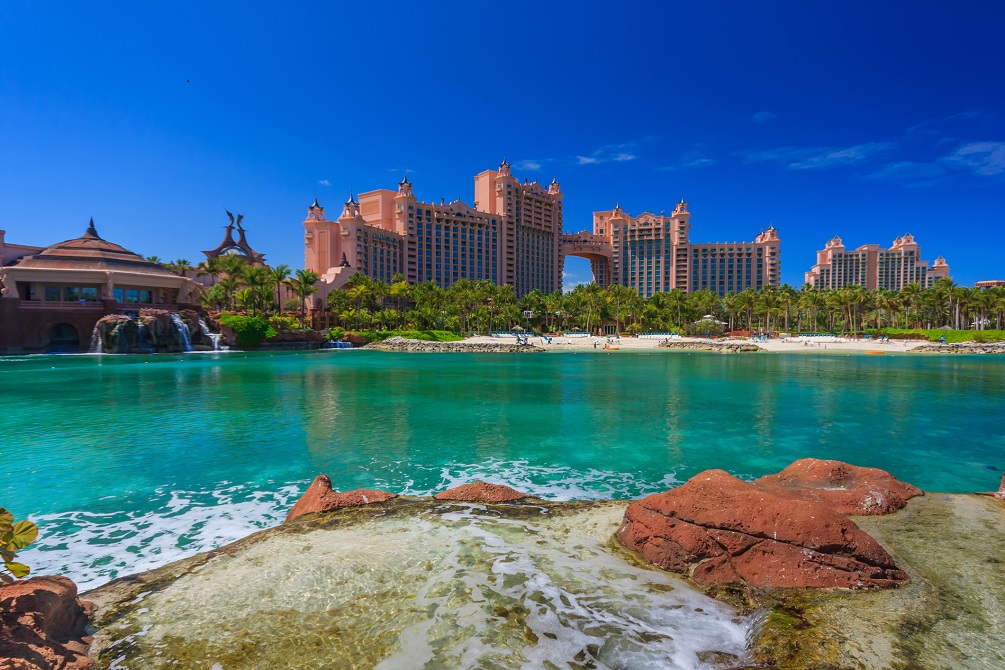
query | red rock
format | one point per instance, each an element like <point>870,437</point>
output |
<point>721,530</point>
<point>481,492</point>
<point>353,339</point>
<point>42,626</point>
<point>319,497</point>
<point>847,489</point>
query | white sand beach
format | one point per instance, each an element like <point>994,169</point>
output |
<point>775,344</point>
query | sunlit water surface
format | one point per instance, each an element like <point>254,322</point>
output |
<point>129,462</point>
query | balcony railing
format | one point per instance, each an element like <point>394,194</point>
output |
<point>60,304</point>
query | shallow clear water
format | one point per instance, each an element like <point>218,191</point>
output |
<point>453,587</point>
<point>127,462</point>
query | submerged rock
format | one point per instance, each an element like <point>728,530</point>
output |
<point>481,492</point>
<point>844,488</point>
<point>319,497</point>
<point>721,530</point>
<point>42,626</point>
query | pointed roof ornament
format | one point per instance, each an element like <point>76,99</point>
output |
<point>315,205</point>
<point>344,263</point>
<point>504,162</point>
<point>91,230</point>
<point>554,180</point>
<point>404,179</point>
<point>352,199</point>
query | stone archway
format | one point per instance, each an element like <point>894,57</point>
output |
<point>64,339</point>
<point>594,248</point>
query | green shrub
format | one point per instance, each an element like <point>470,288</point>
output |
<point>335,334</point>
<point>14,536</point>
<point>283,322</point>
<point>251,330</point>
<point>933,335</point>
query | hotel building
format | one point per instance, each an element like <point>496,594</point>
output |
<point>873,267</point>
<point>653,253</point>
<point>509,235</point>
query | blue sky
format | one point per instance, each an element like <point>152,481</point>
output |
<point>864,120</point>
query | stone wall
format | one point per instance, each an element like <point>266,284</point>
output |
<point>405,344</point>
<point>721,347</point>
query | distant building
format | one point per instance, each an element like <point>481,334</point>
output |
<point>990,283</point>
<point>873,267</point>
<point>653,253</point>
<point>51,298</point>
<point>241,248</point>
<point>509,235</point>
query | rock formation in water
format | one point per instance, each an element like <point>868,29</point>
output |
<point>479,491</point>
<point>847,489</point>
<point>962,348</point>
<point>42,626</point>
<point>151,331</point>
<point>398,343</point>
<point>720,347</point>
<point>720,530</point>
<point>319,497</point>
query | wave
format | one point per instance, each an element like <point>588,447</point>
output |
<point>94,547</point>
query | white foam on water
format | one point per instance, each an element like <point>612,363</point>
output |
<point>460,587</point>
<point>92,548</point>
<point>557,483</point>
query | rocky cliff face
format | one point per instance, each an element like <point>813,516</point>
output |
<point>152,331</point>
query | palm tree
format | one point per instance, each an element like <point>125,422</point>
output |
<point>303,286</point>
<point>277,276</point>
<point>180,266</point>
<point>258,281</point>
<point>210,267</point>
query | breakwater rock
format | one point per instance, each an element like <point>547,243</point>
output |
<point>720,530</point>
<point>481,492</point>
<point>846,489</point>
<point>319,497</point>
<point>404,344</point>
<point>721,347</point>
<point>962,348</point>
<point>42,626</point>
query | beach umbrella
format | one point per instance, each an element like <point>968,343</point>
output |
<point>518,328</point>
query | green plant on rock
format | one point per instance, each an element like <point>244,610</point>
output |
<point>14,536</point>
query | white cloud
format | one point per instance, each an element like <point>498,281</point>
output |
<point>983,158</point>
<point>816,158</point>
<point>615,153</point>
<point>527,165</point>
<point>762,117</point>
<point>324,182</point>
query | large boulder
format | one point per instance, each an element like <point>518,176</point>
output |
<point>484,492</point>
<point>720,530</point>
<point>354,339</point>
<point>319,497</point>
<point>42,626</point>
<point>844,488</point>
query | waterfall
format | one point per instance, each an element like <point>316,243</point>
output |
<point>96,347</point>
<point>184,340</point>
<point>213,337</point>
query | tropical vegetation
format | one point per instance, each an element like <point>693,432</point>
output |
<point>14,536</point>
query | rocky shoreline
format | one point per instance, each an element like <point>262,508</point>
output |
<point>720,347</point>
<point>422,346</point>
<point>806,557</point>
<point>962,348</point>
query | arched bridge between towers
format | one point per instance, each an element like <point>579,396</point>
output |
<point>592,247</point>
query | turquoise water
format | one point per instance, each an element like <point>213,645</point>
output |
<point>127,462</point>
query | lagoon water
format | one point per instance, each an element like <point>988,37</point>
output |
<point>129,462</point>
